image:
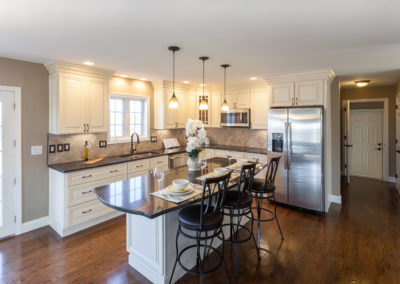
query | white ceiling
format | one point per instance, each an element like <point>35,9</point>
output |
<point>258,38</point>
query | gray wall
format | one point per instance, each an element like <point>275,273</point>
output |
<point>375,93</point>
<point>33,79</point>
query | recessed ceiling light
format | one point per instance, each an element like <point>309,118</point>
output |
<point>143,79</point>
<point>362,83</point>
<point>88,63</point>
<point>253,78</point>
<point>123,76</point>
<point>186,82</point>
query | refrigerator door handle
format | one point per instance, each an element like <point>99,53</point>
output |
<point>290,150</point>
<point>285,156</point>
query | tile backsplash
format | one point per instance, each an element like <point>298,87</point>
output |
<point>223,136</point>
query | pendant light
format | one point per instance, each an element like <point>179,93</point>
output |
<point>173,101</point>
<point>203,102</point>
<point>225,106</point>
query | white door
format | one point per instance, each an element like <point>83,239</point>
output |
<point>366,158</point>
<point>398,142</point>
<point>7,163</point>
<point>346,139</point>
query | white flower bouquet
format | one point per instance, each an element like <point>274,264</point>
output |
<point>195,135</point>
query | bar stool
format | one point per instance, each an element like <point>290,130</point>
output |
<point>203,222</point>
<point>265,190</point>
<point>238,205</point>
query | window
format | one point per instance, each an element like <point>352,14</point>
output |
<point>129,114</point>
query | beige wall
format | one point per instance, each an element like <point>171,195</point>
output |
<point>335,135</point>
<point>374,93</point>
<point>34,82</point>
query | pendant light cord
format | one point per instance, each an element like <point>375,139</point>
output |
<point>224,84</point>
<point>203,79</point>
<point>173,72</point>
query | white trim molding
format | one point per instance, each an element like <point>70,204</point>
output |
<point>335,199</point>
<point>34,224</point>
<point>390,179</point>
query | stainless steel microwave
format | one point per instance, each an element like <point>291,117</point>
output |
<point>237,117</point>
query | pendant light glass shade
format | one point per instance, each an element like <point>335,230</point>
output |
<point>225,106</point>
<point>203,103</point>
<point>173,101</point>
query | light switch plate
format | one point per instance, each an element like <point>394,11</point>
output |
<point>102,144</point>
<point>52,149</point>
<point>36,150</point>
<point>153,138</point>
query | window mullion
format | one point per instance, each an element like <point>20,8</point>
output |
<point>127,118</point>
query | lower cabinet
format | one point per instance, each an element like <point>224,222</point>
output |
<point>72,204</point>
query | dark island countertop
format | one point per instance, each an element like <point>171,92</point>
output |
<point>77,165</point>
<point>134,195</point>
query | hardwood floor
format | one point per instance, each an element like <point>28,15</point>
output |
<point>358,242</point>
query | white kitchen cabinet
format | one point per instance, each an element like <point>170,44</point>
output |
<point>216,109</point>
<point>78,98</point>
<point>298,93</point>
<point>260,102</point>
<point>238,97</point>
<point>309,93</point>
<point>282,94</point>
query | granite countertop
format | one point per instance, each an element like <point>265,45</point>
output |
<point>134,195</point>
<point>77,165</point>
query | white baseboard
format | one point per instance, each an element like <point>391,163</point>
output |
<point>391,179</point>
<point>35,224</point>
<point>335,199</point>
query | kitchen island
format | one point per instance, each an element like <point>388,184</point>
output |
<point>152,222</point>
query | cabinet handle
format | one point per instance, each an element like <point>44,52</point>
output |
<point>113,171</point>
<point>292,101</point>
<point>159,162</point>
<point>86,192</point>
<point>87,211</point>
<point>296,101</point>
<point>87,176</point>
<point>139,166</point>
<point>87,127</point>
<point>84,127</point>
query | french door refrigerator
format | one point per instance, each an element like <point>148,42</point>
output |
<point>297,135</point>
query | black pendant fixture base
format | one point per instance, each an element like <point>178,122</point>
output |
<point>225,65</point>
<point>173,48</point>
<point>204,58</point>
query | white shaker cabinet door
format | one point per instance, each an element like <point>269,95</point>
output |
<point>216,109</point>
<point>260,103</point>
<point>97,105</point>
<point>309,93</point>
<point>72,104</point>
<point>243,98</point>
<point>282,95</point>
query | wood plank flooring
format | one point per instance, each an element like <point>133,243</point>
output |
<point>358,242</point>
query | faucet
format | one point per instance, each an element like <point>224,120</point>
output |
<point>137,142</point>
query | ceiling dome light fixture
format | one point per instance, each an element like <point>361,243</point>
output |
<point>173,101</point>
<point>203,102</point>
<point>225,106</point>
<point>362,83</point>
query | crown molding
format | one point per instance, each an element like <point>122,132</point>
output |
<point>322,74</point>
<point>55,67</point>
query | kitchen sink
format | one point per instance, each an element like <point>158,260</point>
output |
<point>140,155</point>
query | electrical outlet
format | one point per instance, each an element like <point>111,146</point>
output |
<point>60,147</point>
<point>102,144</point>
<point>153,138</point>
<point>52,149</point>
<point>66,147</point>
<point>36,150</point>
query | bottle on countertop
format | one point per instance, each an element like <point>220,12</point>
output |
<point>86,151</point>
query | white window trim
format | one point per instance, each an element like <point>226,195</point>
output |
<point>147,115</point>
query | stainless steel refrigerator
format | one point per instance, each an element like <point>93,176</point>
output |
<point>297,135</point>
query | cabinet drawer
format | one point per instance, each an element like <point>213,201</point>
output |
<point>87,211</point>
<point>96,174</point>
<point>138,174</point>
<point>161,161</point>
<point>138,166</point>
<point>83,193</point>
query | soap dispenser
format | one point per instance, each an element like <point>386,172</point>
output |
<point>86,151</point>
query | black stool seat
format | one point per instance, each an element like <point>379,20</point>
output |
<point>232,200</point>
<point>189,218</point>
<point>259,185</point>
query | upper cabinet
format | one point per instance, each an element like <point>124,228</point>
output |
<point>238,97</point>
<point>216,103</point>
<point>260,103</point>
<point>78,101</point>
<point>298,93</point>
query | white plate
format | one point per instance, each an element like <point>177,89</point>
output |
<point>172,191</point>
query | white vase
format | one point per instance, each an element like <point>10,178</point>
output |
<point>193,164</point>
